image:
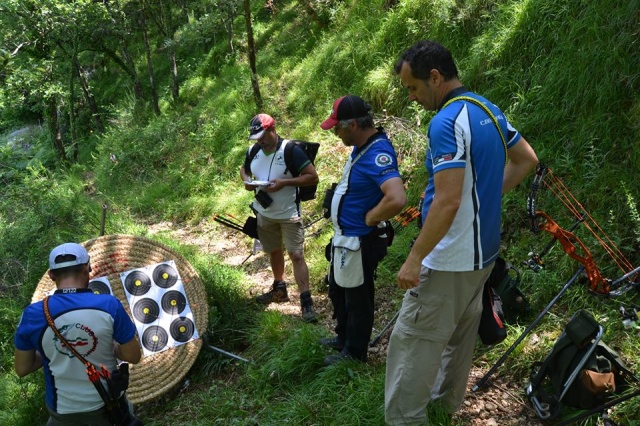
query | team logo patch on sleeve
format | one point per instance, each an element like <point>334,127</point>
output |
<point>442,159</point>
<point>383,160</point>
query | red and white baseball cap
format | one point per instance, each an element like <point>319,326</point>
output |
<point>259,124</point>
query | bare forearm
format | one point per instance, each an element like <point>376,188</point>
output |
<point>302,180</point>
<point>387,208</point>
<point>245,178</point>
<point>393,200</point>
<point>130,351</point>
<point>434,228</point>
<point>26,362</point>
<point>522,159</point>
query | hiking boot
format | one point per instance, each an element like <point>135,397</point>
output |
<point>277,294</point>
<point>333,342</point>
<point>308,314</point>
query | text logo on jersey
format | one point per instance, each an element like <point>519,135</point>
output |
<point>442,158</point>
<point>383,160</point>
<point>81,337</point>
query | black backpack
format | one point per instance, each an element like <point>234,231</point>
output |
<point>305,193</point>
<point>580,371</point>
<point>502,301</point>
<point>505,280</point>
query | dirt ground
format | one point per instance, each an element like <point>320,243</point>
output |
<point>502,403</point>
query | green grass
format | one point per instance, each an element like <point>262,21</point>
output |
<point>566,73</point>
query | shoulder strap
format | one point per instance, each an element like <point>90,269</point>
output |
<point>489,113</point>
<point>251,154</point>
<point>47,315</point>
<point>364,151</point>
<point>288,157</point>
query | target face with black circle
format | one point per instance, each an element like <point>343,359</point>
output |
<point>165,276</point>
<point>173,302</point>
<point>99,286</point>
<point>137,283</point>
<point>182,329</point>
<point>146,310</point>
<point>155,338</point>
<point>159,303</point>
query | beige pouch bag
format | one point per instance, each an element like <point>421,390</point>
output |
<point>347,261</point>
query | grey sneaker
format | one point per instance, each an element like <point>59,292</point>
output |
<point>277,294</point>
<point>308,314</point>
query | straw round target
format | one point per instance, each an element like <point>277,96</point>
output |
<point>111,255</point>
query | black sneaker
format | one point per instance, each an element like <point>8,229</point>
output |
<point>277,294</point>
<point>333,343</point>
<point>342,356</point>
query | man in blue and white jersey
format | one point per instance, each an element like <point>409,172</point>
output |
<point>473,156</point>
<point>370,192</point>
<point>96,325</point>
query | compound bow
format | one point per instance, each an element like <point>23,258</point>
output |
<point>570,243</point>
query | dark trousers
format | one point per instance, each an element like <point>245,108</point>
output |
<point>353,307</point>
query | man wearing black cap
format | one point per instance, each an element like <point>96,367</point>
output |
<point>96,325</point>
<point>277,207</point>
<point>370,192</point>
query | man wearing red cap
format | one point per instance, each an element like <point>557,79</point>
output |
<point>370,192</point>
<point>277,207</point>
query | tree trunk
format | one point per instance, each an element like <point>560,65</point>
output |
<point>126,63</point>
<point>91,101</point>
<point>53,123</point>
<point>175,89</point>
<point>169,32</point>
<point>147,47</point>
<point>228,24</point>
<point>185,12</point>
<point>72,102</point>
<point>130,67</point>
<point>252,56</point>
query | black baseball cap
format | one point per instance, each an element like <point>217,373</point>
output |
<point>346,108</point>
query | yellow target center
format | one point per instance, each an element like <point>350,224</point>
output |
<point>174,302</point>
<point>165,275</point>
<point>183,329</point>
<point>146,311</point>
<point>155,338</point>
<point>138,283</point>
